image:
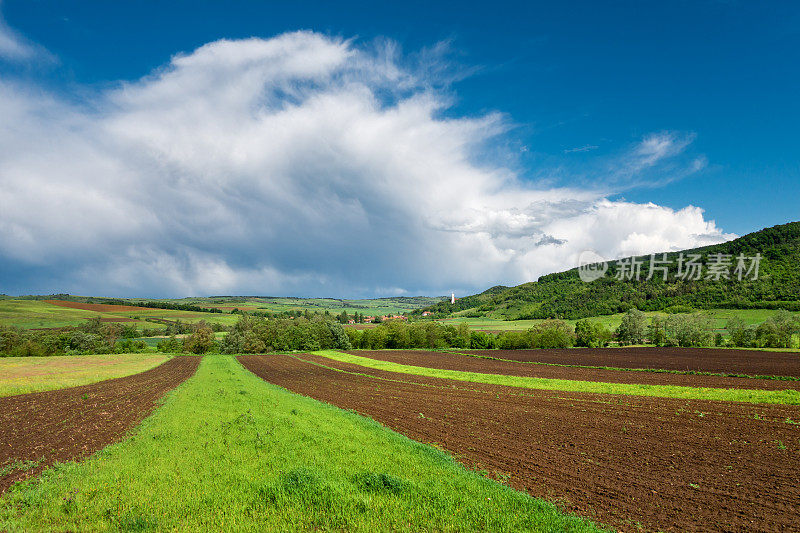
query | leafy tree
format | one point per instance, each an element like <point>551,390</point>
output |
<point>632,328</point>
<point>694,329</point>
<point>201,340</point>
<point>110,332</point>
<point>170,345</point>
<point>551,334</point>
<point>129,331</point>
<point>778,331</point>
<point>657,331</point>
<point>339,339</point>
<point>478,340</point>
<point>740,333</point>
<point>591,334</point>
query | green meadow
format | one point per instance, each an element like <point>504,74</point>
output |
<point>38,314</point>
<point>21,375</point>
<point>278,304</point>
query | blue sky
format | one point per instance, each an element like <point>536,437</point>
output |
<point>568,115</point>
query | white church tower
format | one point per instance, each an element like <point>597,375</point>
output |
<point>452,297</point>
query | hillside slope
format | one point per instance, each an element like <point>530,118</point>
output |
<point>565,295</point>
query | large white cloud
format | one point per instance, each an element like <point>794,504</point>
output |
<point>297,164</point>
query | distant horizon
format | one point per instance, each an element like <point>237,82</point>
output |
<point>224,296</point>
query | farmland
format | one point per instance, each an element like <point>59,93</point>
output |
<point>228,451</point>
<point>747,362</point>
<point>636,438</point>
<point>54,312</point>
<point>492,362</point>
<point>277,304</point>
<point>40,314</point>
<point>20,375</point>
<point>630,461</point>
<point>621,385</point>
<point>376,267</point>
<point>37,430</point>
<point>653,439</point>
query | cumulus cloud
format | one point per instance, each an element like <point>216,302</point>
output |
<point>299,164</point>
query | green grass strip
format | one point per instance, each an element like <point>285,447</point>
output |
<point>228,451</point>
<point>789,397</point>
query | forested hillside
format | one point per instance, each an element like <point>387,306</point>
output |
<point>565,295</point>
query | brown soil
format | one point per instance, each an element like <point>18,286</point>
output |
<point>662,464</point>
<point>100,308</point>
<point>750,362</point>
<point>70,424</point>
<point>453,361</point>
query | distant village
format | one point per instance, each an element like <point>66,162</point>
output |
<point>372,319</point>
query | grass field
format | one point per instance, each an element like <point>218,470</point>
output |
<point>31,314</point>
<point>38,314</point>
<point>20,375</point>
<point>719,316</point>
<point>376,306</point>
<point>788,397</point>
<point>228,451</point>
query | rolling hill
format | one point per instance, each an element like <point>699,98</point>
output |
<point>565,295</point>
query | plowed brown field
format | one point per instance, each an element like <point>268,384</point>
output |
<point>100,308</point>
<point>750,362</point>
<point>70,424</point>
<point>655,463</point>
<point>454,361</point>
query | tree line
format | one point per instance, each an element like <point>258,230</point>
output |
<point>94,337</point>
<point>253,334</point>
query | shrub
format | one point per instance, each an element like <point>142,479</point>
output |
<point>591,334</point>
<point>551,334</point>
<point>201,339</point>
<point>170,345</point>
<point>632,328</point>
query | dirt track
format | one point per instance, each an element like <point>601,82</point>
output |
<point>70,424</point>
<point>453,361</point>
<point>750,362</point>
<point>672,465</point>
